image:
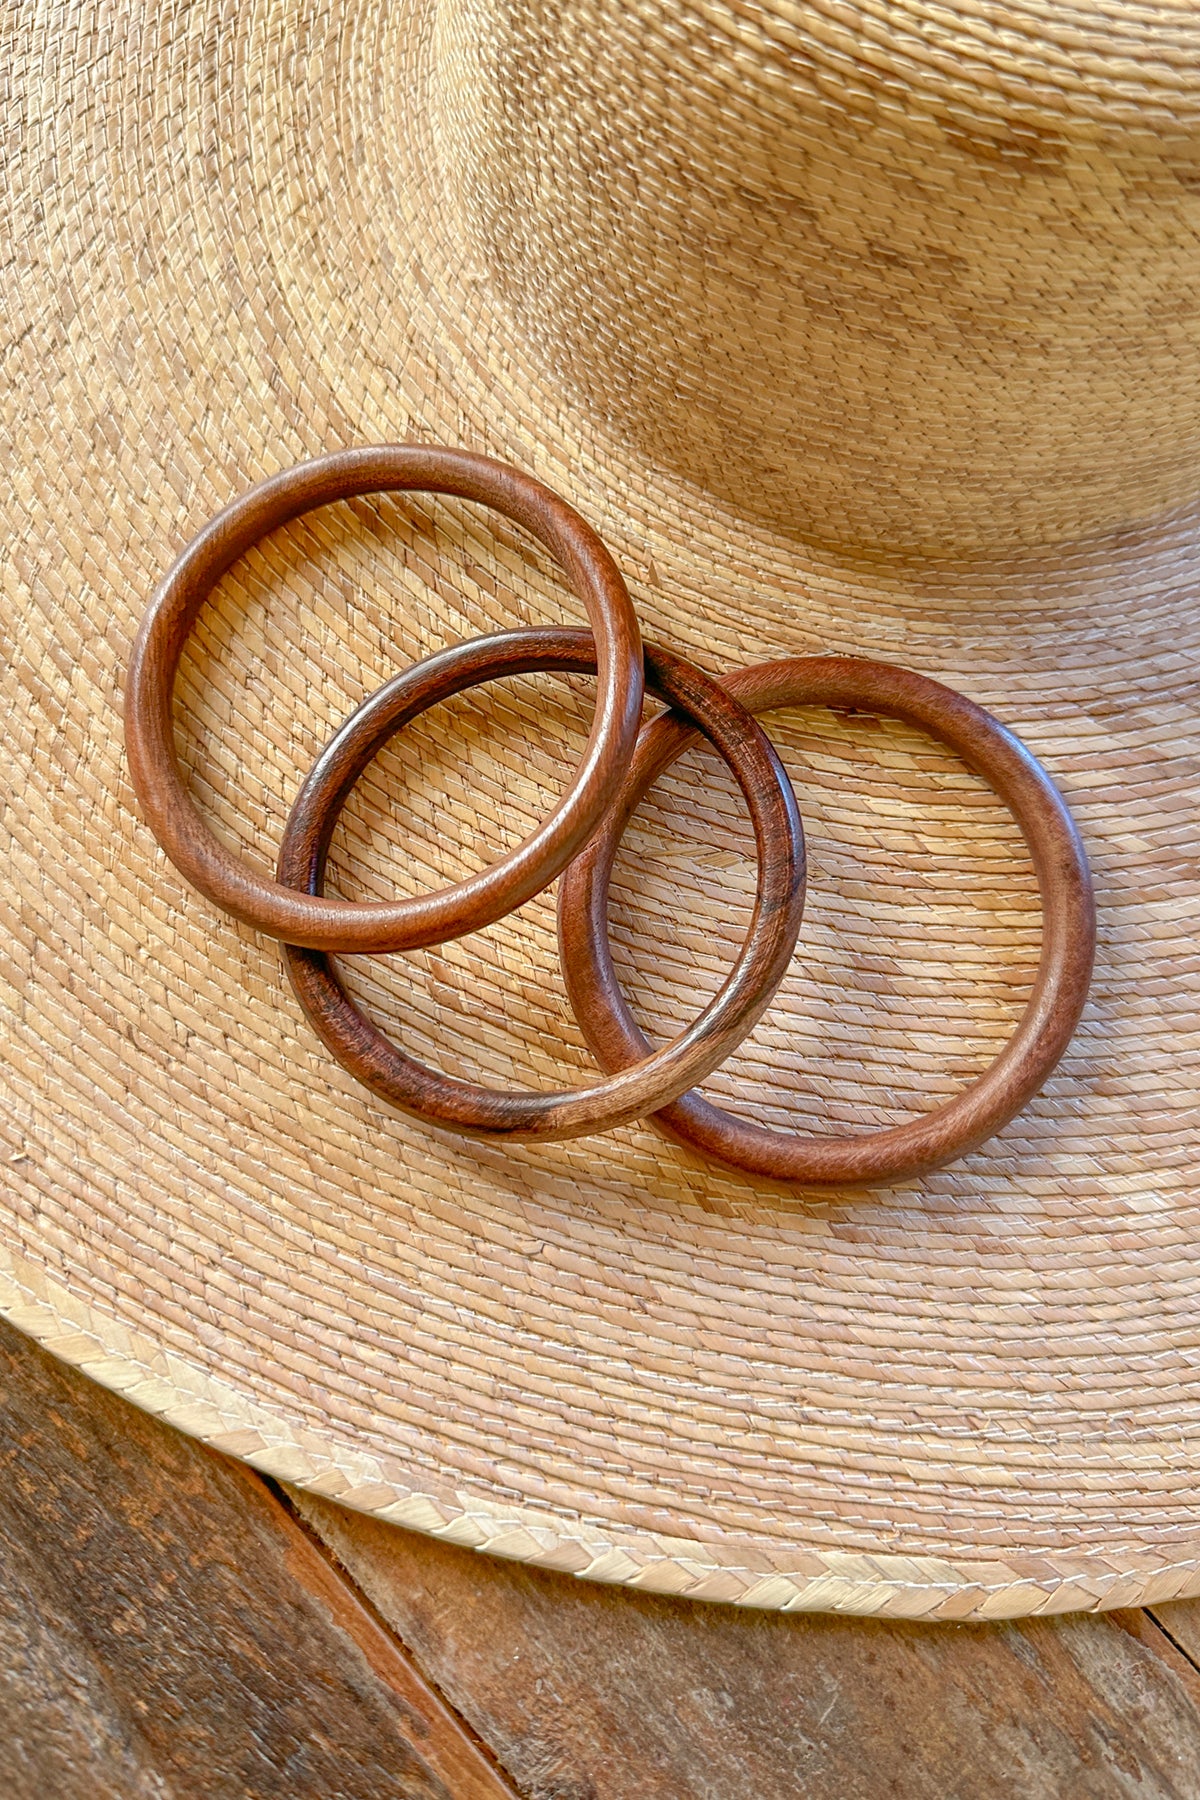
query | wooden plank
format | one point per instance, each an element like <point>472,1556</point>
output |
<point>1180,1620</point>
<point>588,1693</point>
<point>1149,1629</point>
<point>169,1630</point>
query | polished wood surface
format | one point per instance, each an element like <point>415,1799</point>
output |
<point>173,1625</point>
<point>657,1076</point>
<point>403,924</point>
<point>1064,969</point>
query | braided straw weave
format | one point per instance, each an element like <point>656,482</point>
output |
<point>856,327</point>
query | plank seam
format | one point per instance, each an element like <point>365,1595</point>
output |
<point>1172,1639</point>
<point>334,1562</point>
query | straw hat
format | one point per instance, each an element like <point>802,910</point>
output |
<point>850,328</point>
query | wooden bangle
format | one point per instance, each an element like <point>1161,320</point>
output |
<point>461,1105</point>
<point>328,924</point>
<point>1068,933</point>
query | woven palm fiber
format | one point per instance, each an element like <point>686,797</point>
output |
<point>853,328</point>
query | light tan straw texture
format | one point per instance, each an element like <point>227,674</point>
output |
<point>856,327</point>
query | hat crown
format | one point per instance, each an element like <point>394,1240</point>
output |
<point>906,280</point>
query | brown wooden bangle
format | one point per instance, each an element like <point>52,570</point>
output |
<point>462,1105</point>
<point>1068,933</point>
<point>525,870</point>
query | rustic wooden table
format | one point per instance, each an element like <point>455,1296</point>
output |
<point>173,1625</point>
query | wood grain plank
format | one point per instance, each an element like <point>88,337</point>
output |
<point>587,1693</point>
<point>1180,1620</point>
<point>168,1629</point>
<point>1145,1625</point>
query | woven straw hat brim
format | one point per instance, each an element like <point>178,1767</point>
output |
<point>975,1395</point>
